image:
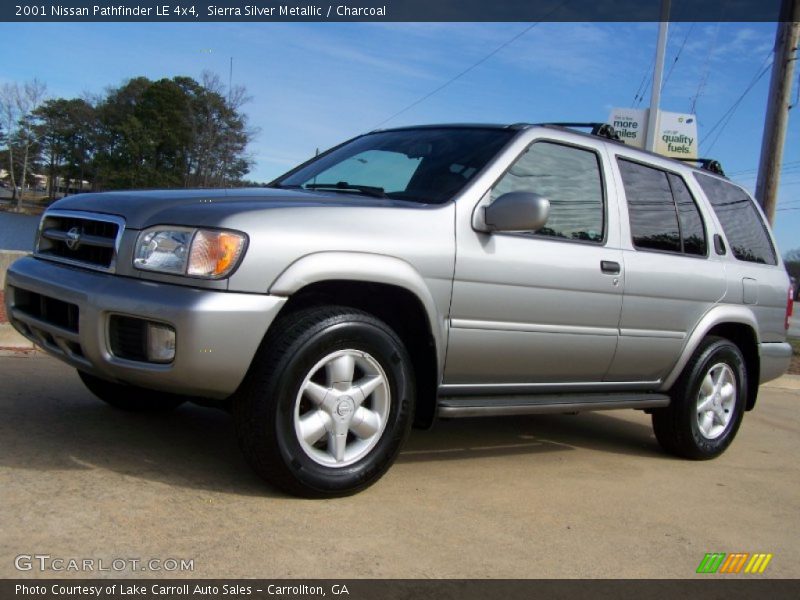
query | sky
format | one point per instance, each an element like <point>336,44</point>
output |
<point>314,85</point>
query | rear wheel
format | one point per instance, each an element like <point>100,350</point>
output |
<point>327,404</point>
<point>130,397</point>
<point>708,402</point>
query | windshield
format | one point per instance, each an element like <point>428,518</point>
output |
<point>422,165</point>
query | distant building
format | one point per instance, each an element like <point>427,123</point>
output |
<point>42,181</point>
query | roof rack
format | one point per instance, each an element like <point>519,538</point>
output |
<point>599,129</point>
<point>707,164</point>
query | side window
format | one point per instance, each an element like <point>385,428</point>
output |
<point>663,213</point>
<point>654,221</point>
<point>570,178</point>
<point>693,234</point>
<point>740,220</point>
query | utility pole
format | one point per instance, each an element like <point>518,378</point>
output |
<point>658,76</point>
<point>780,90</point>
<point>230,79</point>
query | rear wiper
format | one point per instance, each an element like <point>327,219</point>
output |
<point>343,186</point>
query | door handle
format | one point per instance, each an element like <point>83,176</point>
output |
<point>610,267</point>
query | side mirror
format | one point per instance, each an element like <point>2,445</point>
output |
<point>516,212</point>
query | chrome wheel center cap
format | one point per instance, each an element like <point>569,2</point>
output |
<point>346,407</point>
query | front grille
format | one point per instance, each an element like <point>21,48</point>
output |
<point>46,309</point>
<point>85,239</point>
<point>128,338</point>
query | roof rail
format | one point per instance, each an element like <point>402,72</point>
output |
<point>599,129</point>
<point>707,164</point>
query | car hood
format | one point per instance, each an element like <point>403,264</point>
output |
<point>201,207</point>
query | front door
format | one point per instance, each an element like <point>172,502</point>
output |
<point>540,308</point>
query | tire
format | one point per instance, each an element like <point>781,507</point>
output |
<point>707,402</point>
<point>302,423</point>
<point>129,397</point>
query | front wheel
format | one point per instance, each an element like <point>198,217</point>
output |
<point>707,404</point>
<point>327,404</point>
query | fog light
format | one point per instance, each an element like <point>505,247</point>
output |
<point>160,343</point>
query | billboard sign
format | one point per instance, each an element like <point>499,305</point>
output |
<point>630,124</point>
<point>677,132</point>
<point>677,135</point>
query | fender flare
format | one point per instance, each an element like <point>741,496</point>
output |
<point>718,315</point>
<point>366,267</point>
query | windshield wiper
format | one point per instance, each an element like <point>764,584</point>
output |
<point>343,186</point>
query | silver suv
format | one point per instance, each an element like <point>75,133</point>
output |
<point>458,271</point>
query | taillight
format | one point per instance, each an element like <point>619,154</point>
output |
<point>789,306</point>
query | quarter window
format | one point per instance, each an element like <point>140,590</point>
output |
<point>663,213</point>
<point>693,234</point>
<point>570,178</point>
<point>740,220</point>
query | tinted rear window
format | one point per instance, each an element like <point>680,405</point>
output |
<point>740,220</point>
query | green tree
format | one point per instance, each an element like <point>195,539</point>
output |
<point>65,129</point>
<point>143,134</point>
<point>171,133</point>
<point>220,133</point>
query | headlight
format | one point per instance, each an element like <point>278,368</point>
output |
<point>206,253</point>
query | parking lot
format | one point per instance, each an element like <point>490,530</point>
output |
<point>549,496</point>
<point>17,231</point>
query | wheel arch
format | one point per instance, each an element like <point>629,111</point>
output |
<point>390,289</point>
<point>734,323</point>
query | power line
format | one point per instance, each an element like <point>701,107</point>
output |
<point>677,56</point>
<point>646,88</point>
<point>795,164</point>
<point>459,75</point>
<point>644,85</point>
<point>728,115</point>
<point>471,67</point>
<point>701,85</point>
<point>797,97</point>
<point>758,75</point>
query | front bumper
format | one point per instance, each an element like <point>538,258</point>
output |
<point>217,333</point>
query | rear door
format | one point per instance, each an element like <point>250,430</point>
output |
<point>671,277</point>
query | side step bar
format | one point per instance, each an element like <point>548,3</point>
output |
<point>454,407</point>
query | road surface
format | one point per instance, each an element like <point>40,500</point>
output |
<point>590,495</point>
<point>17,231</point>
